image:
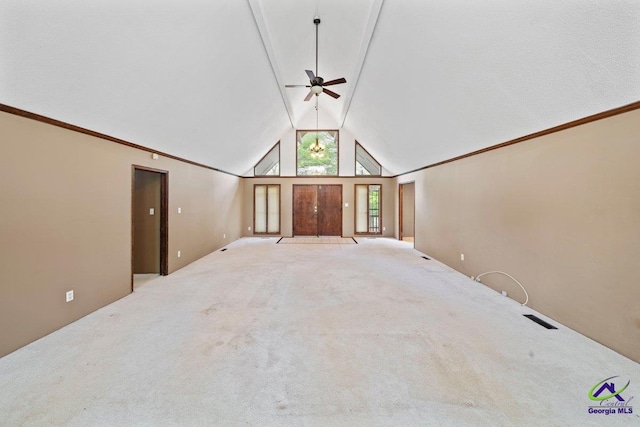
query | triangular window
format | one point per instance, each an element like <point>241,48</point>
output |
<point>365,163</point>
<point>269,165</point>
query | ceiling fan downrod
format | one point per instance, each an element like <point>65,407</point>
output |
<point>316,21</point>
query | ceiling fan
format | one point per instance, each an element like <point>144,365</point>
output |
<point>316,83</point>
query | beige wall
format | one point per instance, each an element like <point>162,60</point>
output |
<point>348,225</point>
<point>66,223</point>
<point>561,213</point>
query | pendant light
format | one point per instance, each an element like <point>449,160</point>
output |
<point>317,148</point>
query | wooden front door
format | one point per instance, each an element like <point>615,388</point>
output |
<point>317,210</point>
<point>330,210</point>
<point>305,208</point>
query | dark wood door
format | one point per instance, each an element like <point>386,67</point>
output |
<point>317,210</point>
<point>400,196</point>
<point>305,206</point>
<point>330,210</point>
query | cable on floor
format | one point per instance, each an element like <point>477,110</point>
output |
<point>477,279</point>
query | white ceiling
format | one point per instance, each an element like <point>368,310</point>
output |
<point>426,80</point>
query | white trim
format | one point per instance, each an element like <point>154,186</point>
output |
<point>257,9</point>
<point>364,48</point>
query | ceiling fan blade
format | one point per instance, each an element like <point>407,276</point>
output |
<point>310,74</point>
<point>335,82</point>
<point>297,86</point>
<point>330,93</point>
<point>308,97</point>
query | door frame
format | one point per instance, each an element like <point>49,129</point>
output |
<point>164,217</point>
<point>400,196</point>
<point>401,209</point>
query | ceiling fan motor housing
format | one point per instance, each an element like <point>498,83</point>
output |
<point>317,81</point>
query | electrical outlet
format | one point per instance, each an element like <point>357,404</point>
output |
<point>249,228</point>
<point>179,254</point>
<point>152,211</point>
<point>461,257</point>
<point>504,293</point>
<point>384,228</point>
<point>69,296</point>
<point>179,210</point>
<point>224,236</point>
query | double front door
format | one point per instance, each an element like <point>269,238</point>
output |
<point>317,210</point>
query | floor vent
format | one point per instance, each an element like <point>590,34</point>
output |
<point>222,250</point>
<point>427,258</point>
<point>539,321</point>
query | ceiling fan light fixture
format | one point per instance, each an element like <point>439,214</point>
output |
<point>316,89</point>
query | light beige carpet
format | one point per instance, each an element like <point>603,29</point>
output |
<point>312,335</point>
<point>322,240</point>
<point>142,279</point>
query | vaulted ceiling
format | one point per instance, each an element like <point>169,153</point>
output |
<point>426,80</point>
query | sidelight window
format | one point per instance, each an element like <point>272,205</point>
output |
<point>368,209</point>
<point>266,210</point>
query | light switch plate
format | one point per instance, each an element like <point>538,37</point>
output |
<point>179,210</point>
<point>69,296</point>
<point>152,211</point>
<point>346,204</point>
